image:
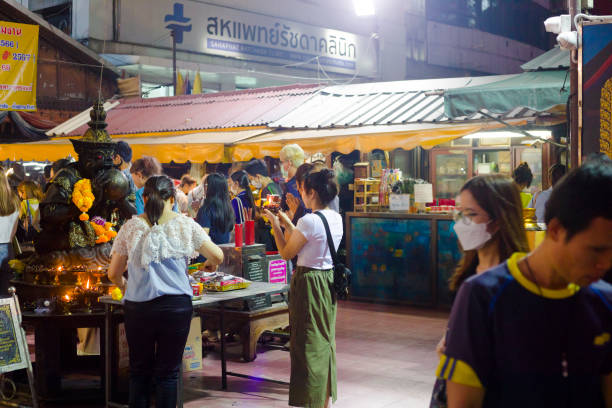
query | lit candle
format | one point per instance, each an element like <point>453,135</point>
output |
<point>67,297</point>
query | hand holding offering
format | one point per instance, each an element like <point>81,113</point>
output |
<point>272,218</point>
<point>209,266</point>
<point>284,219</point>
<point>293,202</point>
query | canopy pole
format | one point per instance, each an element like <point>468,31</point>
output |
<point>172,34</point>
<point>575,134</point>
<point>519,130</point>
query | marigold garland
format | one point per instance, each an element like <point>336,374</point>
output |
<point>104,230</point>
<point>83,197</point>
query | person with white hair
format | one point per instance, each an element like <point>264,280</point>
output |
<point>291,157</point>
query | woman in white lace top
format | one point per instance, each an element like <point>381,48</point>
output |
<point>155,248</point>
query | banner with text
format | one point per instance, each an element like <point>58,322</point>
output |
<point>241,34</point>
<point>18,51</point>
<point>596,89</point>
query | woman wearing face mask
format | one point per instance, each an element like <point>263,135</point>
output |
<point>264,185</point>
<point>260,179</point>
<point>489,226</point>
<point>243,202</point>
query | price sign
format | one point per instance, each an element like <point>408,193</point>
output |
<point>18,61</point>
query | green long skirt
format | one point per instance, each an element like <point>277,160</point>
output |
<point>312,316</point>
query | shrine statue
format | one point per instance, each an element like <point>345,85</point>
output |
<point>86,202</point>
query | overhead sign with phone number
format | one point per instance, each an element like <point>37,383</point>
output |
<point>18,60</point>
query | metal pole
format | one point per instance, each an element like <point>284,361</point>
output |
<point>19,331</point>
<point>173,61</point>
<point>575,137</point>
<point>223,362</point>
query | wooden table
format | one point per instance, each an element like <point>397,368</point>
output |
<point>208,299</point>
<point>250,324</point>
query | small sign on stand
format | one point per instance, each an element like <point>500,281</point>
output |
<point>14,354</point>
<point>399,202</point>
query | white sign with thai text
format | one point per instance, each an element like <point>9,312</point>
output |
<point>216,30</point>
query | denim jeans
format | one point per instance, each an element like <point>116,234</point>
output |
<point>6,254</point>
<point>156,332</point>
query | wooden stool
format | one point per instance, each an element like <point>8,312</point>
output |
<point>249,324</point>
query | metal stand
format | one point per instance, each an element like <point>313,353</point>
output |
<point>21,333</point>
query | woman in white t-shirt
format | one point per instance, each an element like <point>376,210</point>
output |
<point>9,215</point>
<point>312,309</point>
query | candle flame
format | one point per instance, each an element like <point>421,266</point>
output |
<point>67,298</point>
<point>99,268</point>
<point>59,268</point>
<point>87,284</point>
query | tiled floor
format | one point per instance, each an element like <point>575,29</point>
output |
<point>385,358</point>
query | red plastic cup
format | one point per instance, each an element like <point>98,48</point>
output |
<point>238,235</point>
<point>249,227</point>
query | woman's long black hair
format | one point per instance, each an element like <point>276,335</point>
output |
<point>157,190</point>
<point>241,178</point>
<point>219,203</point>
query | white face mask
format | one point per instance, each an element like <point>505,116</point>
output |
<point>284,172</point>
<point>256,183</point>
<point>471,235</point>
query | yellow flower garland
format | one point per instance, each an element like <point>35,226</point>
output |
<point>83,197</point>
<point>105,232</point>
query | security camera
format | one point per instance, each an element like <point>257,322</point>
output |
<point>568,40</point>
<point>558,24</point>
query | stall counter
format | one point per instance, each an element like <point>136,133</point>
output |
<point>398,257</point>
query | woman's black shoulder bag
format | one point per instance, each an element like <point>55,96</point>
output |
<point>342,274</point>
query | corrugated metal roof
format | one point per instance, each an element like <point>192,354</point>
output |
<point>252,107</point>
<point>383,103</point>
<point>552,59</point>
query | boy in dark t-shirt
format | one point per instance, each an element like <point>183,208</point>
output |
<point>536,330</point>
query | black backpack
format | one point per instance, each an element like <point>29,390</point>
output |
<point>342,274</point>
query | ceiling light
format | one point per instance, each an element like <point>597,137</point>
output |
<point>542,134</point>
<point>364,7</point>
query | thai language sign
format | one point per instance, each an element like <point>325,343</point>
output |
<point>597,89</point>
<point>209,29</point>
<point>277,271</point>
<point>18,54</point>
<point>12,347</point>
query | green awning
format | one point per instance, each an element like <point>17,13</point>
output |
<point>539,90</point>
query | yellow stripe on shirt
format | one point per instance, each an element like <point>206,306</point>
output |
<point>457,371</point>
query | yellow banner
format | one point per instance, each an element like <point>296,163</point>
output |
<point>18,60</point>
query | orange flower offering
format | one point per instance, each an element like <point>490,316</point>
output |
<point>83,197</point>
<point>104,230</point>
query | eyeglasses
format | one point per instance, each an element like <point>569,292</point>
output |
<point>466,218</point>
